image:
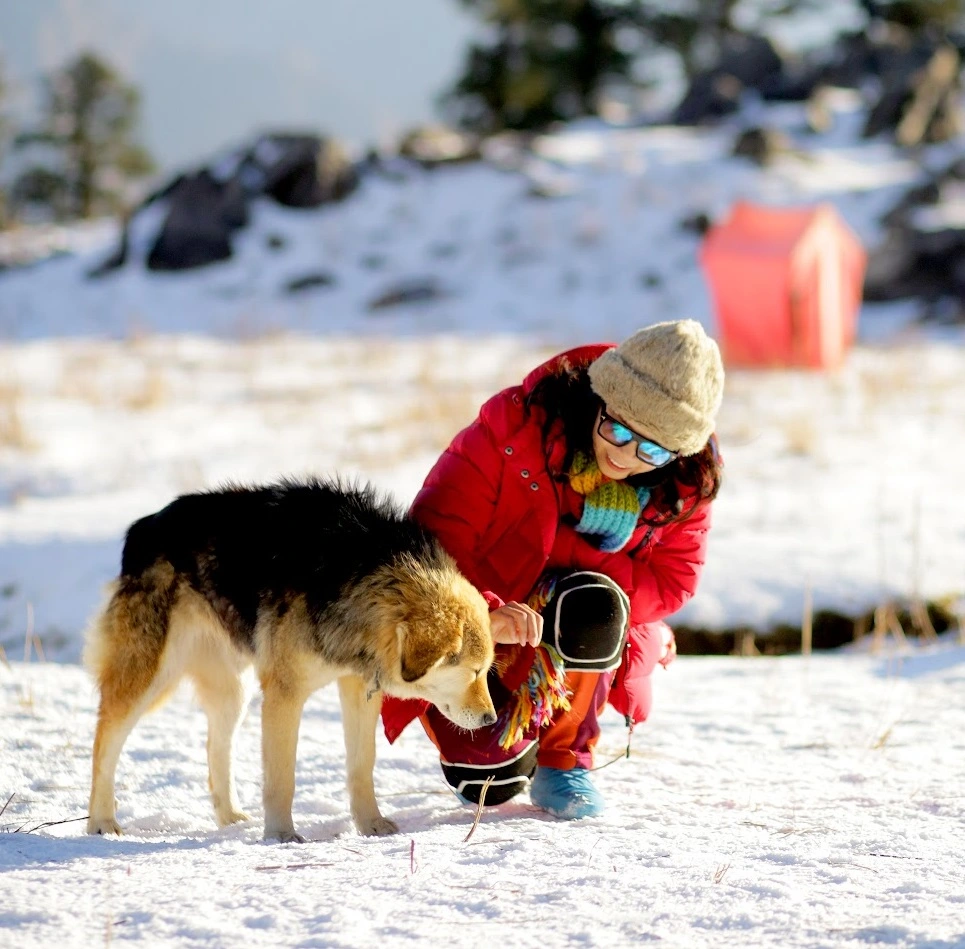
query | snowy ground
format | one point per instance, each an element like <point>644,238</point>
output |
<point>768,803</point>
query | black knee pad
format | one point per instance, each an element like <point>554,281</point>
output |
<point>509,777</point>
<point>586,621</point>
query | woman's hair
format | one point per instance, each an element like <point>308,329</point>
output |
<point>566,397</point>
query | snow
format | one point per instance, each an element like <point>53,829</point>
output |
<point>793,802</point>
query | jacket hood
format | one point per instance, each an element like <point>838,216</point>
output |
<point>580,356</point>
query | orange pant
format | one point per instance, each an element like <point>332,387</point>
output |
<point>568,741</point>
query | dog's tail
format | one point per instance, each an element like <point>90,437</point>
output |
<point>125,640</point>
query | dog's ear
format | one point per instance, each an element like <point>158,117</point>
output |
<point>423,649</point>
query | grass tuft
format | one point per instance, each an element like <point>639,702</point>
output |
<point>12,431</point>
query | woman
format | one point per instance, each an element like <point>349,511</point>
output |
<point>579,503</point>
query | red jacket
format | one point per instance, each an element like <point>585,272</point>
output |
<point>492,500</point>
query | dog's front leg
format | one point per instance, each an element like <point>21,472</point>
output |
<point>281,713</point>
<point>360,717</point>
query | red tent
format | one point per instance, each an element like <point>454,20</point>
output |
<point>786,285</point>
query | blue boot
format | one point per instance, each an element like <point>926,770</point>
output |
<point>568,795</point>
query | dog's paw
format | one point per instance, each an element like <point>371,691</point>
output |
<point>377,827</point>
<point>103,825</point>
<point>284,837</point>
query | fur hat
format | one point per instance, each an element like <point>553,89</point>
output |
<point>667,377</point>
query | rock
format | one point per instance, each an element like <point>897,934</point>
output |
<point>890,271</point>
<point>918,196</point>
<point>796,82</point>
<point>711,95</point>
<point>746,62</point>
<point>309,281</point>
<point>910,263</point>
<point>301,171</point>
<point>202,215</point>
<point>414,290</point>
<point>433,145</point>
<point>856,57</point>
<point>203,209</point>
<point>761,145</point>
<point>698,223</point>
<point>923,253</point>
<point>753,60</point>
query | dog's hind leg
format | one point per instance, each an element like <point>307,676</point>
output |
<point>116,717</point>
<point>281,713</point>
<point>124,655</point>
<point>224,697</point>
<point>360,716</point>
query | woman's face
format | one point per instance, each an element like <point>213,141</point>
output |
<point>619,463</point>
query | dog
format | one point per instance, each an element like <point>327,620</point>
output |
<point>305,583</point>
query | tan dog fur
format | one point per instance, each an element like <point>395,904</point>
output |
<point>415,630</point>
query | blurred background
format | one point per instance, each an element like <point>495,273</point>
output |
<point>198,77</point>
<point>208,74</point>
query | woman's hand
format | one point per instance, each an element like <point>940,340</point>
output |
<point>516,624</point>
<point>669,646</point>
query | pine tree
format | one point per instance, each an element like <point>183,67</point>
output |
<point>89,118</point>
<point>917,14</point>
<point>547,60</point>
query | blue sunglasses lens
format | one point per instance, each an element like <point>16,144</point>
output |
<point>621,434</point>
<point>647,451</point>
<point>652,453</point>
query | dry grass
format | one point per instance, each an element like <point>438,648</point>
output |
<point>150,394</point>
<point>82,378</point>
<point>882,385</point>
<point>12,431</point>
<point>882,739</point>
<point>430,406</point>
<point>801,434</point>
<point>91,378</point>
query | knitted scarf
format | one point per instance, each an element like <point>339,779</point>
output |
<point>611,509</point>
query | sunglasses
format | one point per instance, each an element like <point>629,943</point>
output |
<point>618,434</point>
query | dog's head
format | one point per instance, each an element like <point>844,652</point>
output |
<point>445,647</point>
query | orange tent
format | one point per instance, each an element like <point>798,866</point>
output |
<point>786,285</point>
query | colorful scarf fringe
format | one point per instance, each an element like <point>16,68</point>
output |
<point>611,509</point>
<point>534,703</point>
<point>543,691</point>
